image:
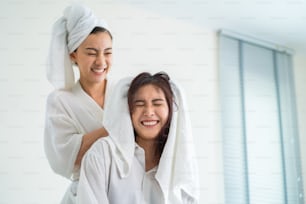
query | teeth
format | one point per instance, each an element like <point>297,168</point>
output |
<point>149,123</point>
<point>98,70</point>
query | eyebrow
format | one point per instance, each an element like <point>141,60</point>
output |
<point>154,100</point>
<point>97,50</point>
<point>158,99</point>
<point>138,101</point>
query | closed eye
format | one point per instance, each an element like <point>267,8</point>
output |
<point>139,103</point>
<point>158,102</point>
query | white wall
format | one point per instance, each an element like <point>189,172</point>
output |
<point>143,41</point>
<point>300,84</point>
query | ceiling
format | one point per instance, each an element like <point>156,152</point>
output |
<point>282,22</point>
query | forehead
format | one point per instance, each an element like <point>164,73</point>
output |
<point>100,39</point>
<point>149,91</point>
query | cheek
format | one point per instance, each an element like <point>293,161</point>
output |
<point>109,60</point>
<point>84,61</point>
<point>134,118</point>
<point>164,113</point>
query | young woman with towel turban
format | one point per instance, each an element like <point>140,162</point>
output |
<point>148,157</point>
<point>74,111</point>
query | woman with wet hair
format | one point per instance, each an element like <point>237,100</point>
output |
<point>148,156</point>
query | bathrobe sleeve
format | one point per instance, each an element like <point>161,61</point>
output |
<point>62,138</point>
<point>187,199</point>
<point>94,177</point>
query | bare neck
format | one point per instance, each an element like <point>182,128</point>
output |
<point>151,158</point>
<point>96,91</point>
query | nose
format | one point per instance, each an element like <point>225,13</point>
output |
<point>100,60</point>
<point>149,111</point>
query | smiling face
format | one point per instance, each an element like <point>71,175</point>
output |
<point>149,113</point>
<point>94,58</point>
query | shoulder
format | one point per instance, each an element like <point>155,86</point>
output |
<point>58,94</point>
<point>99,155</point>
<point>59,97</point>
<point>101,148</point>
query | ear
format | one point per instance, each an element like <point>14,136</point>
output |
<point>73,57</point>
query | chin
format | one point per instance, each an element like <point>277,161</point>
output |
<point>101,78</point>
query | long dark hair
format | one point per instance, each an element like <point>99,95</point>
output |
<point>160,80</point>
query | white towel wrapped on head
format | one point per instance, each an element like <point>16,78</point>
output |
<point>68,33</point>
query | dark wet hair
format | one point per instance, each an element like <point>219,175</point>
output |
<point>160,80</point>
<point>102,30</point>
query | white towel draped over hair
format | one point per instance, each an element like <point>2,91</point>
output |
<point>68,33</point>
<point>177,171</point>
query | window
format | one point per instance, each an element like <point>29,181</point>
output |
<point>259,127</point>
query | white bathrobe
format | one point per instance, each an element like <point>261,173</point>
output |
<point>70,114</point>
<point>113,169</point>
